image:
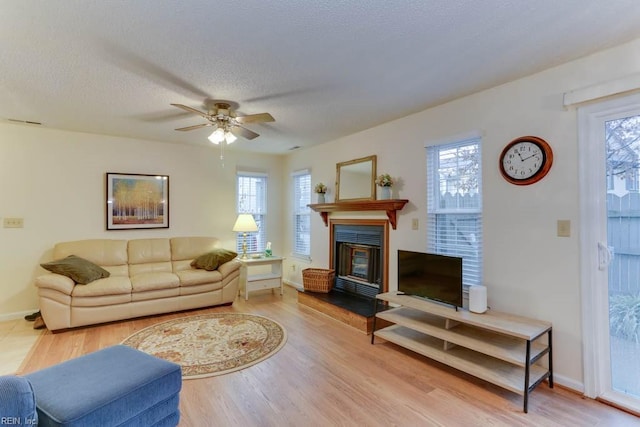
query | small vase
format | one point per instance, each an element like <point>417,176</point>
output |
<point>320,197</point>
<point>385,193</point>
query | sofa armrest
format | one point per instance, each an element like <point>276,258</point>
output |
<point>229,267</point>
<point>56,282</point>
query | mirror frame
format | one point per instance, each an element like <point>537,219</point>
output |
<point>372,187</point>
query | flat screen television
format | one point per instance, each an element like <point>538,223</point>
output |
<point>431,276</point>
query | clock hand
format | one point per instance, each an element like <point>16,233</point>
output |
<point>533,155</point>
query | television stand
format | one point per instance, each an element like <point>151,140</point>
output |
<point>500,348</point>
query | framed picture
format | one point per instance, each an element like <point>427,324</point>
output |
<point>137,201</point>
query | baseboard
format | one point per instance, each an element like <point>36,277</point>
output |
<point>296,285</point>
<point>16,315</point>
<point>568,383</point>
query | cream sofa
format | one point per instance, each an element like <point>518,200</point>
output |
<point>147,276</point>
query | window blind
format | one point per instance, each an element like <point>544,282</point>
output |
<point>252,198</point>
<point>454,204</point>
<point>301,213</point>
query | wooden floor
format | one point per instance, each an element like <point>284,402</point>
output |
<point>329,374</point>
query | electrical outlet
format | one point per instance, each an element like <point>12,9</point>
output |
<point>13,223</point>
<point>293,267</point>
<point>564,228</point>
<point>414,224</point>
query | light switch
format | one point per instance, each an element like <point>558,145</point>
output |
<point>564,228</point>
<point>414,224</point>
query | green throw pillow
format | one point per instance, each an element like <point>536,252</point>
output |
<point>77,269</point>
<point>212,260</point>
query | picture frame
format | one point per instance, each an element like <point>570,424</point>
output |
<point>137,201</point>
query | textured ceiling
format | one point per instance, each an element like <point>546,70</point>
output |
<point>322,68</point>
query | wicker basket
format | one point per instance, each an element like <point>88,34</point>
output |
<point>318,279</point>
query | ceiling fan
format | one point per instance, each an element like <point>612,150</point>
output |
<point>227,125</point>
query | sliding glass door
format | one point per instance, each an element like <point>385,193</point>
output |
<point>610,205</point>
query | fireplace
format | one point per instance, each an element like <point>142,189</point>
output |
<point>359,262</point>
<point>359,256</point>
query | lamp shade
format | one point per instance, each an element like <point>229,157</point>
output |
<point>245,223</point>
<point>229,137</point>
<point>217,136</point>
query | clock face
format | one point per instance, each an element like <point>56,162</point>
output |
<point>526,160</point>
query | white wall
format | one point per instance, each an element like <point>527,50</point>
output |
<point>528,269</point>
<point>55,180</point>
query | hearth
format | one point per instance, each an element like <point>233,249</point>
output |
<point>359,256</point>
<point>356,304</point>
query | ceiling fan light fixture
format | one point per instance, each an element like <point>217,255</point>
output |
<point>217,136</point>
<point>229,137</point>
<point>227,124</point>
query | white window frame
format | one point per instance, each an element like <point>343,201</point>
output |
<point>468,239</point>
<point>252,199</point>
<point>301,221</point>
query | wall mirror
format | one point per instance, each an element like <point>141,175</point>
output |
<point>355,179</point>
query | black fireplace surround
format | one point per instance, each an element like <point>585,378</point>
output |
<point>359,258</point>
<point>358,262</point>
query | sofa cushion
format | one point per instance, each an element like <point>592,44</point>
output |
<point>101,301</point>
<point>76,268</point>
<point>212,259</point>
<point>188,248</point>
<point>154,297</point>
<point>143,251</point>
<point>154,281</point>
<point>198,277</point>
<point>114,285</point>
<point>104,252</point>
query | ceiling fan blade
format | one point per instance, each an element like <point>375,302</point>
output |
<point>243,132</point>
<point>195,126</point>
<point>192,110</point>
<point>256,118</point>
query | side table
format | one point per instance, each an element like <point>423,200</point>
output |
<point>254,282</point>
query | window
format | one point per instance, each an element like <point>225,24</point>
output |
<point>454,204</point>
<point>252,198</point>
<point>301,214</point>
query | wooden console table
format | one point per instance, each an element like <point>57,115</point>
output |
<point>390,206</point>
<point>497,347</point>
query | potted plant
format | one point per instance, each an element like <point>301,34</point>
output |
<point>320,189</point>
<point>385,182</point>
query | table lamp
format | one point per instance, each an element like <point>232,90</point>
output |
<point>244,224</point>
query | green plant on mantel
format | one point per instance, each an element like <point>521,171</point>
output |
<point>384,180</point>
<point>320,188</point>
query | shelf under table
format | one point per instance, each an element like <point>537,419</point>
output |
<point>497,347</point>
<point>491,369</point>
<point>501,346</point>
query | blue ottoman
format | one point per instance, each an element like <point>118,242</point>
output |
<point>114,386</point>
<point>17,402</point>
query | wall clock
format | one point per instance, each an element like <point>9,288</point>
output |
<point>526,160</point>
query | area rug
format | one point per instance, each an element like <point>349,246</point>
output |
<point>211,344</point>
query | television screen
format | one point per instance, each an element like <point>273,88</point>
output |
<point>432,276</point>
